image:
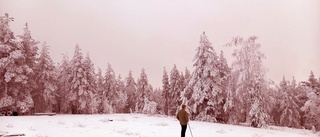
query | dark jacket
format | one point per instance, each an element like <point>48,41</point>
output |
<point>182,116</point>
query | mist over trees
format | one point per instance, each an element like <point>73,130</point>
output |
<point>30,82</point>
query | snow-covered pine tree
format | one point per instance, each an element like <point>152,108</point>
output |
<point>224,72</point>
<point>174,91</point>
<point>16,67</point>
<point>251,85</point>
<point>185,80</point>
<point>79,92</point>
<point>224,77</point>
<point>296,96</point>
<point>45,94</point>
<point>8,55</point>
<point>100,89</point>
<point>289,109</point>
<point>311,106</point>
<point>122,96</point>
<point>93,100</point>
<point>275,102</point>
<point>29,50</point>
<point>90,73</point>
<point>143,90</point>
<point>63,84</point>
<point>130,88</point>
<point>203,91</point>
<point>165,91</point>
<point>302,96</point>
<point>110,94</point>
<point>182,86</point>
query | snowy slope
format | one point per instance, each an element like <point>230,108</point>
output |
<point>131,125</point>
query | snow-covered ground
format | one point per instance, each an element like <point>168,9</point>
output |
<point>131,125</point>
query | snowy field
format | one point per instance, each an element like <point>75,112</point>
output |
<point>131,125</point>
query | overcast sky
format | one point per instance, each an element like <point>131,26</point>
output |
<point>153,34</point>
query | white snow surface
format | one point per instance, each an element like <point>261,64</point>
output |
<point>132,125</point>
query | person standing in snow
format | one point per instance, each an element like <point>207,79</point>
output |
<point>182,116</point>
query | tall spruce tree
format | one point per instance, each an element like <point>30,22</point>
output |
<point>174,92</point>
<point>275,102</point>
<point>203,90</point>
<point>288,107</point>
<point>165,91</point>
<point>46,77</point>
<point>224,83</point>
<point>63,84</point>
<point>91,100</point>
<point>130,88</point>
<point>29,49</point>
<point>8,55</point>
<point>110,94</point>
<point>143,91</point>
<point>311,106</point>
<point>122,96</point>
<point>100,89</point>
<point>79,92</point>
<point>182,86</point>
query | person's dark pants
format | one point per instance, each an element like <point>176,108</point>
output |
<point>183,130</point>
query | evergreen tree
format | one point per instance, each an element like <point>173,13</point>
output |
<point>130,88</point>
<point>288,107</point>
<point>29,49</point>
<point>46,77</point>
<point>92,100</point>
<point>184,79</point>
<point>110,94</point>
<point>311,106</point>
<point>174,92</point>
<point>100,89</point>
<point>8,55</point>
<point>16,67</point>
<point>165,92</point>
<point>143,91</point>
<point>79,92</point>
<point>90,74</point>
<point>302,96</point>
<point>182,85</point>
<point>64,86</point>
<point>224,82</point>
<point>275,102</point>
<point>224,72</point>
<point>122,96</point>
<point>203,93</point>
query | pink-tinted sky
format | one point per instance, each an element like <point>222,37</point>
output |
<point>152,34</point>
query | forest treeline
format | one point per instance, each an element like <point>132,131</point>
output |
<point>214,91</point>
